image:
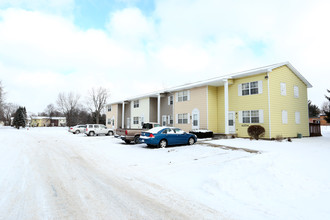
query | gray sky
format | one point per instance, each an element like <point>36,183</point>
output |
<point>134,47</point>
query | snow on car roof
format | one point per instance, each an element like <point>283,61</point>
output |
<point>156,129</point>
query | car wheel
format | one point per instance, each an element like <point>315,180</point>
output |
<point>127,141</point>
<point>136,139</point>
<point>92,133</point>
<point>163,143</point>
<point>110,133</point>
<point>77,132</point>
<point>191,141</point>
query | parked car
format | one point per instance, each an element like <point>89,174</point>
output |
<point>165,136</point>
<point>97,129</point>
<point>77,129</point>
<point>129,135</point>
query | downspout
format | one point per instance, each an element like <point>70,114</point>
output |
<point>269,120</point>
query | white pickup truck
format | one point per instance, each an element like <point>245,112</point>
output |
<point>97,129</point>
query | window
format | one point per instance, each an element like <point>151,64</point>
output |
<point>296,91</point>
<point>113,122</point>
<point>283,89</point>
<point>254,87</point>
<point>109,121</point>
<point>135,120</point>
<point>183,96</point>
<point>170,100</point>
<point>284,117</point>
<point>164,117</point>
<point>250,88</point>
<point>246,116</point>
<point>195,120</point>
<point>170,119</point>
<point>297,116</point>
<point>183,118</point>
<point>136,104</point>
<point>109,108</point>
<point>245,88</point>
<point>251,116</point>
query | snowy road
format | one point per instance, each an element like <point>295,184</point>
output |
<point>50,177</point>
<point>49,173</point>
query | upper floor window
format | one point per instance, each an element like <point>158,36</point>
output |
<point>136,104</point>
<point>170,100</point>
<point>183,96</point>
<point>109,108</point>
<point>296,91</point>
<point>250,88</point>
<point>283,89</point>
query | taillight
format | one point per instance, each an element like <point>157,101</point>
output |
<point>151,135</point>
<point>125,132</point>
<point>86,129</point>
<point>71,128</point>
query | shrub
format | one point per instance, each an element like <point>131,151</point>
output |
<point>279,138</point>
<point>256,131</point>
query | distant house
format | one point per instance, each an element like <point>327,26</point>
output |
<point>319,120</point>
<point>45,121</point>
<point>273,96</point>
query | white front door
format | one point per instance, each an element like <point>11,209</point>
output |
<point>195,119</point>
<point>164,118</point>
<point>231,122</point>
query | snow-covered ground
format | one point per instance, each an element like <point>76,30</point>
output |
<point>49,173</point>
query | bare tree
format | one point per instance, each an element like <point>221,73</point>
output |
<point>97,99</point>
<point>68,103</point>
<point>9,110</point>
<point>2,101</point>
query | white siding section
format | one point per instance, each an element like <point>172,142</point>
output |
<point>142,112</point>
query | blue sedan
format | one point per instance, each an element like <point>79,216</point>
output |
<point>165,136</point>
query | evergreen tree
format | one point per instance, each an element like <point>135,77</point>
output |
<point>20,118</point>
<point>313,110</point>
<point>327,112</point>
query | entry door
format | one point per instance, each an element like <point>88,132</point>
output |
<point>231,122</point>
<point>195,119</point>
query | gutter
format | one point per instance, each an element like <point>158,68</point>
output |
<point>269,120</point>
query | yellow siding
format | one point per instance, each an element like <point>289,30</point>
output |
<point>288,102</point>
<point>213,108</point>
<point>248,102</point>
<point>198,99</point>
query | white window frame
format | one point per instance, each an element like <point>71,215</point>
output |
<point>296,91</point>
<point>183,118</point>
<point>170,119</point>
<point>183,96</point>
<point>297,117</point>
<point>109,121</point>
<point>135,120</point>
<point>251,116</point>
<point>283,88</point>
<point>136,104</point>
<point>170,100</point>
<point>250,88</point>
<point>284,117</point>
<point>164,119</point>
<point>109,108</point>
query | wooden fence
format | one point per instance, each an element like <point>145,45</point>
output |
<point>314,129</point>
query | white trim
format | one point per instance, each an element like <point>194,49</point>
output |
<point>207,107</point>
<point>240,117</point>
<point>261,116</point>
<point>188,95</point>
<point>239,89</point>
<point>123,115</point>
<point>158,109</point>
<point>283,88</point>
<point>269,121</point>
<point>259,87</point>
<point>226,106</point>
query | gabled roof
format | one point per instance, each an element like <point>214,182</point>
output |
<point>219,81</point>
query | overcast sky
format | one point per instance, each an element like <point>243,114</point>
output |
<point>133,47</point>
